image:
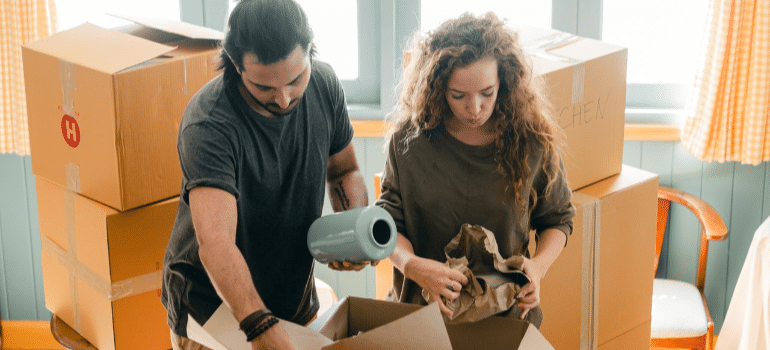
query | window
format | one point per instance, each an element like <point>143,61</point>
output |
<point>664,43</point>
<point>661,36</point>
<point>340,37</point>
<point>663,40</point>
<point>336,33</point>
<point>517,12</point>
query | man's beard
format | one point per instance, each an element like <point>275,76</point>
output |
<point>274,105</point>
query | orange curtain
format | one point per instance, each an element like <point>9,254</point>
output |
<point>729,107</point>
<point>21,21</point>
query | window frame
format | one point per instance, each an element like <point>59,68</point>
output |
<point>386,25</point>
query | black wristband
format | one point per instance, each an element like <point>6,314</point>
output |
<point>262,328</point>
<point>250,322</point>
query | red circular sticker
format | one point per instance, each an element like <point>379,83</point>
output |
<point>70,130</point>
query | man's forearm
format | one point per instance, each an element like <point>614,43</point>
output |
<point>231,278</point>
<point>348,191</point>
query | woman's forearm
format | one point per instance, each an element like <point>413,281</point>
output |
<point>550,244</point>
<point>402,253</point>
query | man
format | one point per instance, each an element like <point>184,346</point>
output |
<point>257,146</point>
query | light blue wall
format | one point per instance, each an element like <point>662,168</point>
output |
<point>740,193</point>
<point>21,277</point>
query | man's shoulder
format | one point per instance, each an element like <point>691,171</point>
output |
<point>324,73</point>
<point>204,101</point>
<point>323,69</point>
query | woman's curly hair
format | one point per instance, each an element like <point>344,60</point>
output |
<point>521,117</point>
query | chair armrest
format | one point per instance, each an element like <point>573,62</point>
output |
<point>713,225</point>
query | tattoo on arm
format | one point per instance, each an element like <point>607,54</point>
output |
<point>342,196</point>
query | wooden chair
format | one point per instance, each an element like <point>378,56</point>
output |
<point>680,315</point>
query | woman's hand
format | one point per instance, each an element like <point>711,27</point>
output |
<point>275,338</point>
<point>438,279</point>
<point>549,246</point>
<point>349,266</point>
<point>529,296</point>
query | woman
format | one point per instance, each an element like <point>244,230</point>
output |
<point>472,142</point>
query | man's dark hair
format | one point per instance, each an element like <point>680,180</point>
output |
<point>269,29</point>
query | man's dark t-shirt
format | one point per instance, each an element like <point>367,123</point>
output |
<point>276,169</point>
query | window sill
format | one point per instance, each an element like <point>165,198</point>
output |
<point>632,132</point>
<point>369,121</point>
<point>651,132</point>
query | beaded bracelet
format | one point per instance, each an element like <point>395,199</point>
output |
<point>257,331</point>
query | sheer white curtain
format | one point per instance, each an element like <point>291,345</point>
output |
<point>21,21</point>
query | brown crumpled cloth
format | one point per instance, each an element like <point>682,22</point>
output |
<point>473,252</point>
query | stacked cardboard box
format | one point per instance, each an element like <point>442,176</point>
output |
<point>104,108</point>
<point>102,267</point>
<point>600,289</point>
<point>598,293</point>
<point>586,86</point>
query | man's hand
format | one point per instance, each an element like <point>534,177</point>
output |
<point>349,266</point>
<point>438,279</point>
<point>275,338</point>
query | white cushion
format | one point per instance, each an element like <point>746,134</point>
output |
<point>677,310</point>
<point>326,296</point>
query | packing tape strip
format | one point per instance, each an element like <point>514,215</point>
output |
<point>72,172</point>
<point>552,41</point>
<point>587,340</point>
<point>185,62</point>
<point>578,82</point>
<point>540,48</point>
<point>77,270</point>
<point>112,292</point>
<point>69,215</point>
<point>596,249</point>
<point>68,86</point>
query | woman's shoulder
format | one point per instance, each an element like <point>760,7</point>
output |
<point>404,138</point>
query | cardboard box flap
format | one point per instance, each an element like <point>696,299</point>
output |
<point>102,49</point>
<point>184,29</point>
<point>497,333</point>
<point>555,49</point>
<point>534,340</point>
<point>408,332</point>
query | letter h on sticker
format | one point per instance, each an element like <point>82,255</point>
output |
<point>70,130</point>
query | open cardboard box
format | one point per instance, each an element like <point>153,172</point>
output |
<point>598,293</point>
<point>104,106</point>
<point>360,323</point>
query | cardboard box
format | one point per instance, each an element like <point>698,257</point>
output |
<point>586,82</point>
<point>359,323</point>
<point>102,269</point>
<point>626,215</point>
<point>104,107</point>
<point>636,338</point>
<point>566,292</point>
<point>600,287</point>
